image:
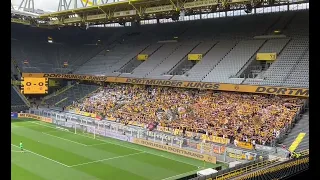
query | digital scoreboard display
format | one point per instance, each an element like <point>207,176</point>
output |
<point>34,85</point>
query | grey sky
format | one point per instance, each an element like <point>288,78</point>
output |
<point>51,5</point>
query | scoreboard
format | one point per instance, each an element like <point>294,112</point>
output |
<point>30,85</point>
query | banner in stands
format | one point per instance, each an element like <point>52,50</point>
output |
<point>175,150</point>
<point>215,139</point>
<point>208,148</point>
<point>142,57</point>
<point>244,145</point>
<point>301,92</point>
<point>14,115</point>
<point>239,154</point>
<point>134,123</point>
<point>40,118</point>
<point>194,57</point>
<point>191,144</point>
<point>266,56</point>
<point>92,115</point>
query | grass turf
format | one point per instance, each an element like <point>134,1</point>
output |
<point>52,154</point>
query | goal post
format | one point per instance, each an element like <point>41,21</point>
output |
<point>85,129</point>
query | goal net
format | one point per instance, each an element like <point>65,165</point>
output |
<point>76,128</point>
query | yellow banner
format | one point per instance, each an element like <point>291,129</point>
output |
<point>86,114</point>
<point>245,145</point>
<point>34,85</point>
<point>301,92</point>
<point>142,57</point>
<point>175,150</point>
<point>266,56</point>
<point>236,156</point>
<point>40,118</point>
<point>296,142</point>
<point>215,139</point>
<point>208,148</point>
<point>194,57</point>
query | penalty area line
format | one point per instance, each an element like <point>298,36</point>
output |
<point>97,144</point>
<point>64,139</point>
<point>107,142</point>
<point>43,156</point>
<point>16,151</point>
<point>117,157</point>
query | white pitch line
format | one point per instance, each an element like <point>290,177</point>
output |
<point>97,144</point>
<point>64,139</point>
<point>13,126</point>
<point>16,151</point>
<point>122,146</point>
<point>43,156</point>
<point>117,157</point>
<point>179,174</point>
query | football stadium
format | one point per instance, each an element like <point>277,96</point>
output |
<point>160,90</point>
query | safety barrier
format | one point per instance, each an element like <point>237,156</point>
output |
<point>238,170</point>
<point>221,152</point>
<point>285,169</point>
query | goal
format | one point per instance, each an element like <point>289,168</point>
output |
<point>76,128</point>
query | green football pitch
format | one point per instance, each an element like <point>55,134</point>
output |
<point>53,154</point>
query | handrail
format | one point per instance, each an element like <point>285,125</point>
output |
<point>100,88</point>
<point>304,152</point>
<point>61,101</point>
<point>56,93</point>
<point>276,168</point>
<point>22,95</point>
<point>246,169</point>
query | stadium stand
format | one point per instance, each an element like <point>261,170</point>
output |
<point>185,65</point>
<point>220,114</point>
<point>287,61</point>
<point>157,58</point>
<point>233,62</point>
<point>17,103</point>
<point>68,96</point>
<point>220,117</point>
<point>302,126</point>
<point>220,43</point>
<point>229,56</point>
<point>133,63</point>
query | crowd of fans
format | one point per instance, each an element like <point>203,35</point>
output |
<point>237,116</point>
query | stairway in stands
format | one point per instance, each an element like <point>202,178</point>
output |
<point>302,126</point>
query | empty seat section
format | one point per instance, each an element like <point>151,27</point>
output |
<point>233,62</point>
